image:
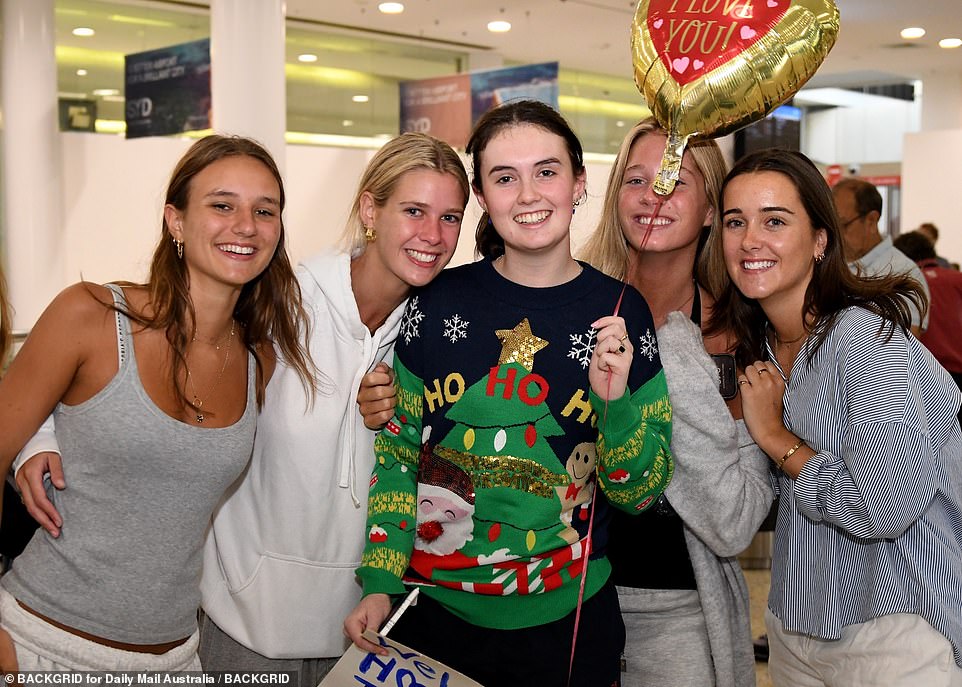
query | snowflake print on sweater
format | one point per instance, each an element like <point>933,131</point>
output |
<point>648,346</point>
<point>455,328</point>
<point>411,321</point>
<point>582,346</point>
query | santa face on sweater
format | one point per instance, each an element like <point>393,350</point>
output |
<point>444,522</point>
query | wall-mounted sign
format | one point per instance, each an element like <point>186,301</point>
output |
<point>448,106</point>
<point>167,91</point>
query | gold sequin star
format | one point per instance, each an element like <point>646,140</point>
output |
<point>519,345</point>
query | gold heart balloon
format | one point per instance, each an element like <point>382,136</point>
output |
<point>709,67</point>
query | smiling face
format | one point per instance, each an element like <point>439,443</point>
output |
<point>231,224</point>
<point>683,214</point>
<point>417,227</point>
<point>528,188</point>
<point>768,239</point>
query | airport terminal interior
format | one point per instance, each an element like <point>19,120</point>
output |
<point>891,86</point>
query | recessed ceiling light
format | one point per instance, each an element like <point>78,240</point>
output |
<point>950,42</point>
<point>391,7</point>
<point>912,32</point>
<point>105,91</point>
<point>83,31</point>
<point>360,98</point>
<point>499,26</point>
<point>347,122</point>
<point>619,123</point>
<point>81,72</point>
<point>307,57</point>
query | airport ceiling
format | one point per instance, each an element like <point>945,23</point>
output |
<point>593,35</point>
<point>364,50</point>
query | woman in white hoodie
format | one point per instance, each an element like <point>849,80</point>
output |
<point>280,556</point>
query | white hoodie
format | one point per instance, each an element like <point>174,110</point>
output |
<point>281,552</point>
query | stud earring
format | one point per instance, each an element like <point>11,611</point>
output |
<point>819,257</point>
<point>180,249</point>
<point>369,234</point>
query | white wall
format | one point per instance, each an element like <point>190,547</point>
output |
<point>114,190</point>
<point>113,193</point>
<point>931,179</point>
<point>869,133</point>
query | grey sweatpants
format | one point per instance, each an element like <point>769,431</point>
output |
<point>666,640</point>
<point>219,651</point>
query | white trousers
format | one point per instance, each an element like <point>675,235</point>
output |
<point>42,647</point>
<point>898,650</point>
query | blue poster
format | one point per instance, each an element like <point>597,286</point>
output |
<point>167,91</point>
<point>528,82</point>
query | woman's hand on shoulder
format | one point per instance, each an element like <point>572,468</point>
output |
<point>611,359</point>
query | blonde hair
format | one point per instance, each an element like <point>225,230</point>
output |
<point>407,152</point>
<point>607,248</point>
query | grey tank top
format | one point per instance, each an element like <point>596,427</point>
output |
<point>141,487</point>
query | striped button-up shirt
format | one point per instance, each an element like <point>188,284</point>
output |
<point>873,524</point>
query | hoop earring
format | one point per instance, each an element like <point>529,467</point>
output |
<point>180,249</point>
<point>370,235</point>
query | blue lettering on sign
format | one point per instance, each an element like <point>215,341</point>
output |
<point>385,668</point>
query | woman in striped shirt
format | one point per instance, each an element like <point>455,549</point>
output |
<point>861,421</point>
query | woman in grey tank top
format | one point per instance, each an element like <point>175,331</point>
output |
<point>155,389</point>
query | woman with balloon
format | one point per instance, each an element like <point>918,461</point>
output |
<point>686,619</point>
<point>704,68</point>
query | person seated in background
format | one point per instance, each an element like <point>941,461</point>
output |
<point>945,289</point>
<point>859,207</point>
<point>931,232</point>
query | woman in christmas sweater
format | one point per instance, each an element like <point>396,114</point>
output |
<point>517,392</point>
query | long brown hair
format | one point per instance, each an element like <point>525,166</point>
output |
<point>270,306</point>
<point>832,288</point>
<point>488,243</point>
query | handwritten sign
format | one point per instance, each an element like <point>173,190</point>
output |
<point>402,667</point>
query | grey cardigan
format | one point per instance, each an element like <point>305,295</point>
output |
<point>721,489</point>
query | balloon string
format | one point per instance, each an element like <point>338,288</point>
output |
<point>604,423</point>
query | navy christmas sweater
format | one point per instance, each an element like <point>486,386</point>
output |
<point>483,481</point>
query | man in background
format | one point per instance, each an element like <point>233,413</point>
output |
<point>859,207</point>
